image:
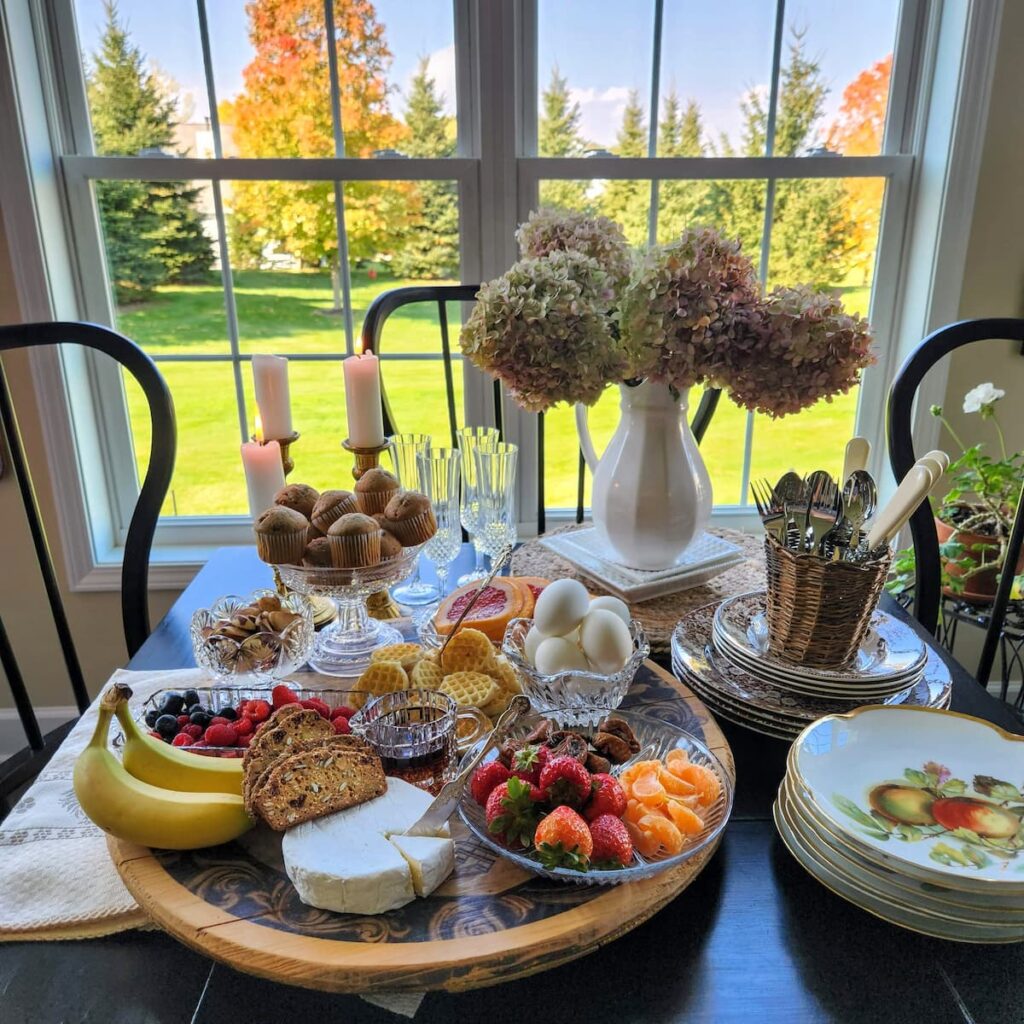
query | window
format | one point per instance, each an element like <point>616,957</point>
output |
<point>238,179</point>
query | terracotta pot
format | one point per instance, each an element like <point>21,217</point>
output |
<point>981,588</point>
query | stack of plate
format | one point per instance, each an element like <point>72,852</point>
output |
<point>771,697</point>
<point>912,814</point>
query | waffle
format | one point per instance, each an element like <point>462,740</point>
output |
<point>470,688</point>
<point>380,678</point>
<point>427,675</point>
<point>406,654</point>
<point>467,649</point>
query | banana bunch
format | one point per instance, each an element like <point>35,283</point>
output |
<point>157,809</point>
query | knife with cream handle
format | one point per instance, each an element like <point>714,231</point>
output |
<point>913,489</point>
<point>937,461</point>
<point>858,451</point>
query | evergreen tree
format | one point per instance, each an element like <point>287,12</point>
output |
<point>558,134</point>
<point>624,200</point>
<point>431,247</point>
<point>680,133</point>
<point>153,230</point>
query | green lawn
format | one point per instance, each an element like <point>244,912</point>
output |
<point>285,312</point>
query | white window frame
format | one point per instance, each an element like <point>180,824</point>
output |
<point>930,159</point>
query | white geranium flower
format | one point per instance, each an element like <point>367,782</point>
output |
<point>984,394</point>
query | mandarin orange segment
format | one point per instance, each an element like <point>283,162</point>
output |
<point>686,821</point>
<point>704,780</point>
<point>663,831</point>
<point>643,842</point>
<point>635,811</point>
<point>648,789</point>
<point>674,785</point>
<point>677,754</point>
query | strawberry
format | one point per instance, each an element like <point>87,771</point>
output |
<point>218,735</point>
<point>613,847</point>
<point>317,705</point>
<point>282,695</point>
<point>563,840</point>
<point>341,726</point>
<point>511,811</point>
<point>258,710</point>
<point>528,761</point>
<point>565,781</point>
<point>485,778</point>
<point>608,797</point>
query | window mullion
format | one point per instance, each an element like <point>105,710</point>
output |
<point>652,132</point>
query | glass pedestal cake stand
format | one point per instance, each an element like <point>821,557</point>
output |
<point>344,647</point>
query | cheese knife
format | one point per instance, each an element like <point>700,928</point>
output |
<point>438,813</point>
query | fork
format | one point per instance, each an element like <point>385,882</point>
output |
<point>822,512</point>
<point>769,509</point>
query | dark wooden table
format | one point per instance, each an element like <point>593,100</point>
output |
<point>753,939</point>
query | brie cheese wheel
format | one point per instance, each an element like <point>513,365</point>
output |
<point>347,861</point>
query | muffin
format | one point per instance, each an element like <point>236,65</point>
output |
<point>390,546</point>
<point>300,497</point>
<point>281,535</point>
<point>355,541</point>
<point>318,554</point>
<point>330,507</point>
<point>410,518</point>
<point>374,489</point>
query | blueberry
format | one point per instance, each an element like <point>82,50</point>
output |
<point>200,718</point>
<point>151,717</point>
<point>173,704</point>
<point>229,713</point>
<point>167,726</point>
<point>190,697</point>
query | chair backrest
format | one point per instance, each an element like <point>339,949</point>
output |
<point>373,328</point>
<point>139,540</point>
<point>928,571</point>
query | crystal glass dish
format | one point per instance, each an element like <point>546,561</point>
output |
<point>344,647</point>
<point>656,740</point>
<point>573,698</point>
<point>260,656</point>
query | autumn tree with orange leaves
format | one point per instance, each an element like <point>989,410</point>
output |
<point>858,132</point>
<point>284,110</point>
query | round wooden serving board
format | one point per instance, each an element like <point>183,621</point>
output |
<point>488,923</point>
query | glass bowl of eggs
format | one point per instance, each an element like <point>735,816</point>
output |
<point>578,655</point>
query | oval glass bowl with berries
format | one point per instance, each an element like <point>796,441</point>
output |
<point>578,654</point>
<point>246,640</point>
<point>619,801</point>
<point>219,721</point>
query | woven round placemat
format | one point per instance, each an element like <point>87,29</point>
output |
<point>659,615</point>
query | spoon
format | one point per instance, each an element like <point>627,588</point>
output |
<point>860,498</point>
<point>790,494</point>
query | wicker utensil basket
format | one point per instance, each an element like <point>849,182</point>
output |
<point>819,610</point>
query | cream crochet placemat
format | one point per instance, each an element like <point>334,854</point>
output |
<point>659,615</point>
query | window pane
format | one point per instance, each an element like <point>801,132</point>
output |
<point>625,201</point>
<point>143,66</point>
<point>734,207</point>
<point>838,254</point>
<point>715,74</point>
<point>208,477</point>
<point>160,241</point>
<point>835,84</point>
<point>583,102</point>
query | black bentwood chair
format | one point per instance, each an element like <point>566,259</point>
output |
<point>928,571</point>
<point>26,764</point>
<point>373,327</point>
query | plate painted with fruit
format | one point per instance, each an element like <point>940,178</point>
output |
<point>933,792</point>
<point>543,803</point>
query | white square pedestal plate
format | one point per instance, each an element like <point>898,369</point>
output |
<point>767,705</point>
<point>912,814</point>
<point>705,558</point>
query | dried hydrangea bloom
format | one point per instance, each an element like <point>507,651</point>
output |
<point>688,303</point>
<point>543,330</point>
<point>799,347</point>
<point>550,230</point>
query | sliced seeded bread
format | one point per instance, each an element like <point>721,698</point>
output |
<point>271,743</point>
<point>317,782</point>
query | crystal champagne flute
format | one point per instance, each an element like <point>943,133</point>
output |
<point>496,482</point>
<point>439,472</point>
<point>469,439</point>
<point>404,449</point>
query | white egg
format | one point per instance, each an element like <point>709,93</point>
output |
<point>556,654</point>
<point>612,604</point>
<point>605,640</point>
<point>561,607</point>
<point>530,644</point>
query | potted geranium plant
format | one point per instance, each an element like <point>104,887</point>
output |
<point>974,518</point>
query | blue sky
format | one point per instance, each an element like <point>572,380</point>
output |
<point>714,51</point>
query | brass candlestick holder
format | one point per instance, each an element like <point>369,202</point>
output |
<point>287,462</point>
<point>380,605</point>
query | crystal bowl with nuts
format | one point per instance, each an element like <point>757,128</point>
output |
<point>253,639</point>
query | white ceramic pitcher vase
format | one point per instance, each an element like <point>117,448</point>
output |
<point>651,492</point>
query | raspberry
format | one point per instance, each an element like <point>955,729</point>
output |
<point>244,741</point>
<point>315,704</point>
<point>153,732</point>
<point>282,695</point>
<point>195,731</point>
<point>182,719</point>
<point>218,720</point>
<point>199,743</point>
<point>244,726</point>
<point>341,726</point>
<point>343,712</point>
<point>218,735</point>
<point>259,710</point>
<point>181,740</point>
